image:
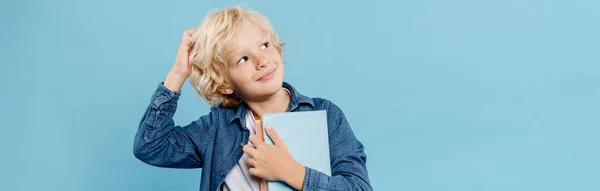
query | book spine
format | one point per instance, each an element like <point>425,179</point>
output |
<point>263,186</point>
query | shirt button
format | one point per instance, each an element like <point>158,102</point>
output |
<point>164,97</point>
<point>222,173</point>
<point>242,144</point>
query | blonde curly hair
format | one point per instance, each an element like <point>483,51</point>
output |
<point>209,51</point>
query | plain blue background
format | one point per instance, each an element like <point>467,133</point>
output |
<point>445,95</point>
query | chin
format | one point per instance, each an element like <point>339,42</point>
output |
<point>274,85</point>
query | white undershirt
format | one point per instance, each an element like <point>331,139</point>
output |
<point>239,179</point>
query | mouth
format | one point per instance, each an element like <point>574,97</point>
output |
<point>267,75</point>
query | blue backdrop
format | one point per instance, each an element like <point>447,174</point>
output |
<point>445,95</point>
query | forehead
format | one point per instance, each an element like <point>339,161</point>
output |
<point>247,36</point>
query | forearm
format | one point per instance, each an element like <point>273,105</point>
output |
<point>295,176</point>
<point>174,80</point>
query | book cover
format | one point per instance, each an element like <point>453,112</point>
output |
<point>306,136</point>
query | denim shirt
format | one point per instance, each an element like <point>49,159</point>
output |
<point>214,142</point>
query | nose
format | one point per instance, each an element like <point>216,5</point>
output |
<point>263,61</point>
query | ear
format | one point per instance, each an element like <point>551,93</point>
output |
<point>226,90</point>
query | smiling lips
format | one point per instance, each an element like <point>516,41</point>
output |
<point>267,75</point>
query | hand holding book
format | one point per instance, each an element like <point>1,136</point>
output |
<point>274,162</point>
<point>282,166</point>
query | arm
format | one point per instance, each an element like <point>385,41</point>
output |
<point>348,160</point>
<point>160,143</point>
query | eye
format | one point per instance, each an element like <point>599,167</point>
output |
<point>264,46</point>
<point>244,59</point>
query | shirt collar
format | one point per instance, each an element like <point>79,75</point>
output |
<point>295,100</point>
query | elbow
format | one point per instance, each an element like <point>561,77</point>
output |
<point>141,151</point>
<point>152,154</point>
<point>144,147</point>
<point>138,152</point>
<point>144,154</point>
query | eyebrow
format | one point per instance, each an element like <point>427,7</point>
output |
<point>231,52</point>
<point>234,52</point>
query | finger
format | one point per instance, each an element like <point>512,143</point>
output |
<point>256,141</point>
<point>251,162</point>
<point>275,137</point>
<point>185,46</point>
<point>250,151</point>
<point>187,36</point>
<point>191,31</point>
<point>254,171</point>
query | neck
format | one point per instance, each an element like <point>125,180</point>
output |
<point>276,103</point>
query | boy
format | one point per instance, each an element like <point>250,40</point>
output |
<point>234,62</point>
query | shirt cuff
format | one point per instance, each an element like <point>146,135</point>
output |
<point>163,95</point>
<point>315,180</point>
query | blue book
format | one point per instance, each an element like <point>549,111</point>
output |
<point>306,136</point>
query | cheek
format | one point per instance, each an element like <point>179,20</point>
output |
<point>274,54</point>
<point>243,73</point>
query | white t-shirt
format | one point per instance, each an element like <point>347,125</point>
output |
<point>239,179</point>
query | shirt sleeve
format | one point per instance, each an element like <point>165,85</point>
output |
<point>159,142</point>
<point>348,160</point>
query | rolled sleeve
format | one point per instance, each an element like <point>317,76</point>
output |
<point>163,95</point>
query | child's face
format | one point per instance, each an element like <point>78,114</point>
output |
<point>255,67</point>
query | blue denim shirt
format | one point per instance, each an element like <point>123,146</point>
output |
<point>214,142</point>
